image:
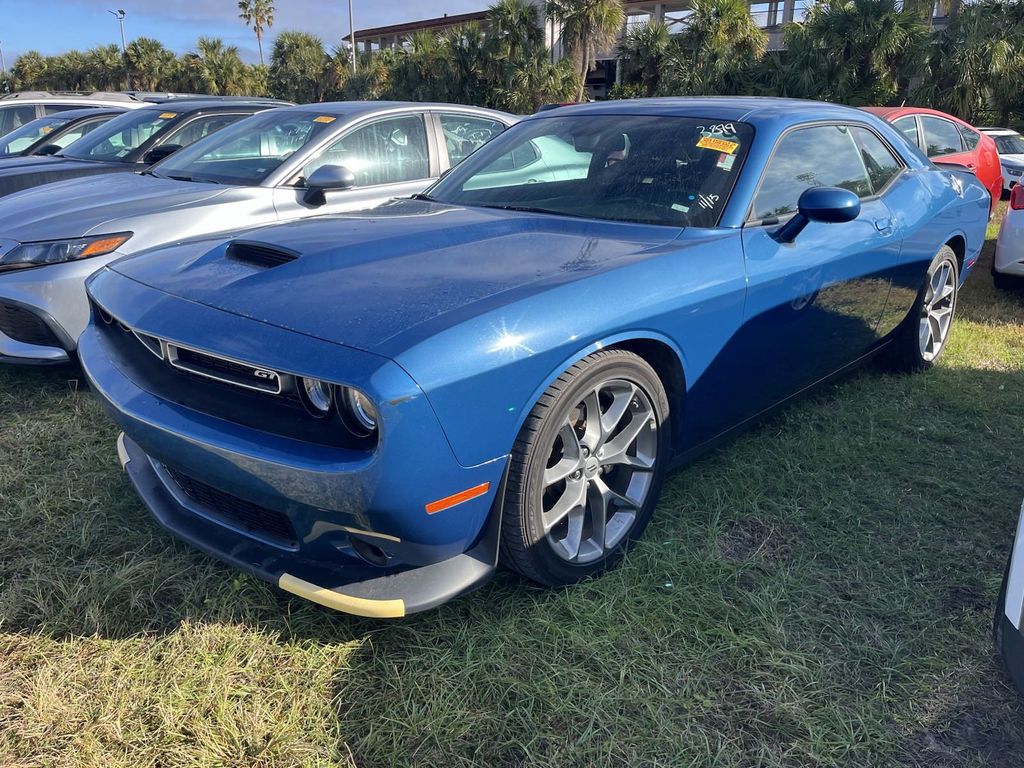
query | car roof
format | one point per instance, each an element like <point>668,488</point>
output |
<point>352,108</point>
<point>89,112</point>
<point>183,106</point>
<point>893,113</point>
<point>739,108</point>
<point>999,131</point>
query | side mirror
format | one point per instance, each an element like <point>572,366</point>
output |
<point>327,177</point>
<point>829,205</point>
<point>157,154</point>
<point>48,149</point>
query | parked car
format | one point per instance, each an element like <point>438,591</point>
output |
<point>278,165</point>
<point>1009,621</point>
<point>1008,262</point>
<point>17,109</point>
<point>365,409</point>
<point>1010,146</point>
<point>129,142</point>
<point>48,135</point>
<point>949,140</point>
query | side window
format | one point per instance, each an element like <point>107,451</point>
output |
<point>908,127</point>
<point>78,132</point>
<point>384,152</point>
<point>200,128</point>
<point>52,109</point>
<point>941,136</point>
<point>882,166</point>
<point>464,134</point>
<point>15,117</point>
<point>971,138</point>
<point>819,156</point>
<point>523,155</point>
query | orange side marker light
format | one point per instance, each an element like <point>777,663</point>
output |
<point>457,498</point>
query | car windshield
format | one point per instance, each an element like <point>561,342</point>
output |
<point>121,136</point>
<point>24,137</point>
<point>1010,145</point>
<point>671,171</point>
<point>246,153</point>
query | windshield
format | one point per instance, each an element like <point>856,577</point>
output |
<point>247,152</point>
<point>120,137</point>
<point>24,137</point>
<point>1010,145</point>
<point>671,171</point>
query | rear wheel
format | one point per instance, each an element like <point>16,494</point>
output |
<point>922,337</point>
<point>586,469</point>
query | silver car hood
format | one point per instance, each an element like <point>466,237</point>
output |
<point>85,206</point>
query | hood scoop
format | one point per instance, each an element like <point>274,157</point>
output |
<point>260,254</point>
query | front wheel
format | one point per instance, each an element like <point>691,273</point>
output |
<point>922,337</point>
<point>586,469</point>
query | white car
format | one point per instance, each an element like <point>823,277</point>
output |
<point>1010,146</point>
<point>17,109</point>
<point>1009,624</point>
<point>1008,265</point>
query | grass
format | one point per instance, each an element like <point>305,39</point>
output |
<point>820,592</point>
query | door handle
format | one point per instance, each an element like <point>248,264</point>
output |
<point>884,226</point>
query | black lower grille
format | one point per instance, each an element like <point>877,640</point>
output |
<point>264,522</point>
<point>22,325</point>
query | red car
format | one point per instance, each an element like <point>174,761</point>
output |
<point>948,139</point>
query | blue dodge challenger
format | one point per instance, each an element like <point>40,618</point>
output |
<point>375,410</point>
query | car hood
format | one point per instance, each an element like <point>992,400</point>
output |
<point>362,279</point>
<point>78,207</point>
<point>20,173</point>
<point>1015,161</point>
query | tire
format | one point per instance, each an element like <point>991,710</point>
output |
<point>556,468</point>
<point>908,351</point>
<point>1007,282</point>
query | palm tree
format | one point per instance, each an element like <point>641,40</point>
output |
<point>218,68</point>
<point>644,50</point>
<point>588,27</point>
<point>152,64</point>
<point>300,68</point>
<point>720,44</point>
<point>514,29</point>
<point>258,14</point>
<point>858,51</point>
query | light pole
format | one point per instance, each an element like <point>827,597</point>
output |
<point>3,69</point>
<point>352,35</point>
<point>119,14</point>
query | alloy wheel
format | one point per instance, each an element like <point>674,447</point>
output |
<point>600,471</point>
<point>937,311</point>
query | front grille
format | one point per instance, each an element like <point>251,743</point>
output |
<point>260,255</point>
<point>22,325</point>
<point>243,514</point>
<point>221,369</point>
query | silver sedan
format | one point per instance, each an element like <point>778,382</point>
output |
<point>279,165</point>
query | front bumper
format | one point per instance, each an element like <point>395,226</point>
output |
<point>342,584</point>
<point>317,507</point>
<point>43,311</point>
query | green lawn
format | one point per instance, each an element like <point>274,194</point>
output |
<point>820,592</point>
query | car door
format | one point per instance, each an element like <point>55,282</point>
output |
<point>390,157</point>
<point>814,304</point>
<point>460,135</point>
<point>943,142</point>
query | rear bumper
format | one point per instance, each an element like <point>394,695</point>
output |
<point>1012,642</point>
<point>1009,256</point>
<point>343,584</point>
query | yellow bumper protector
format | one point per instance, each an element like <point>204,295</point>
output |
<point>358,606</point>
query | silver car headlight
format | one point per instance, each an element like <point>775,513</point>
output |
<point>60,251</point>
<point>357,411</point>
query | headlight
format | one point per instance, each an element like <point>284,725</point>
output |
<point>317,396</point>
<point>59,251</point>
<point>358,412</point>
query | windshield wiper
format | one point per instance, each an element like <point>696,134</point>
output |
<point>529,209</point>
<point>191,178</point>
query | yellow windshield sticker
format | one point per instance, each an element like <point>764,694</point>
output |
<point>721,145</point>
<point>324,119</point>
<point>168,115</point>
